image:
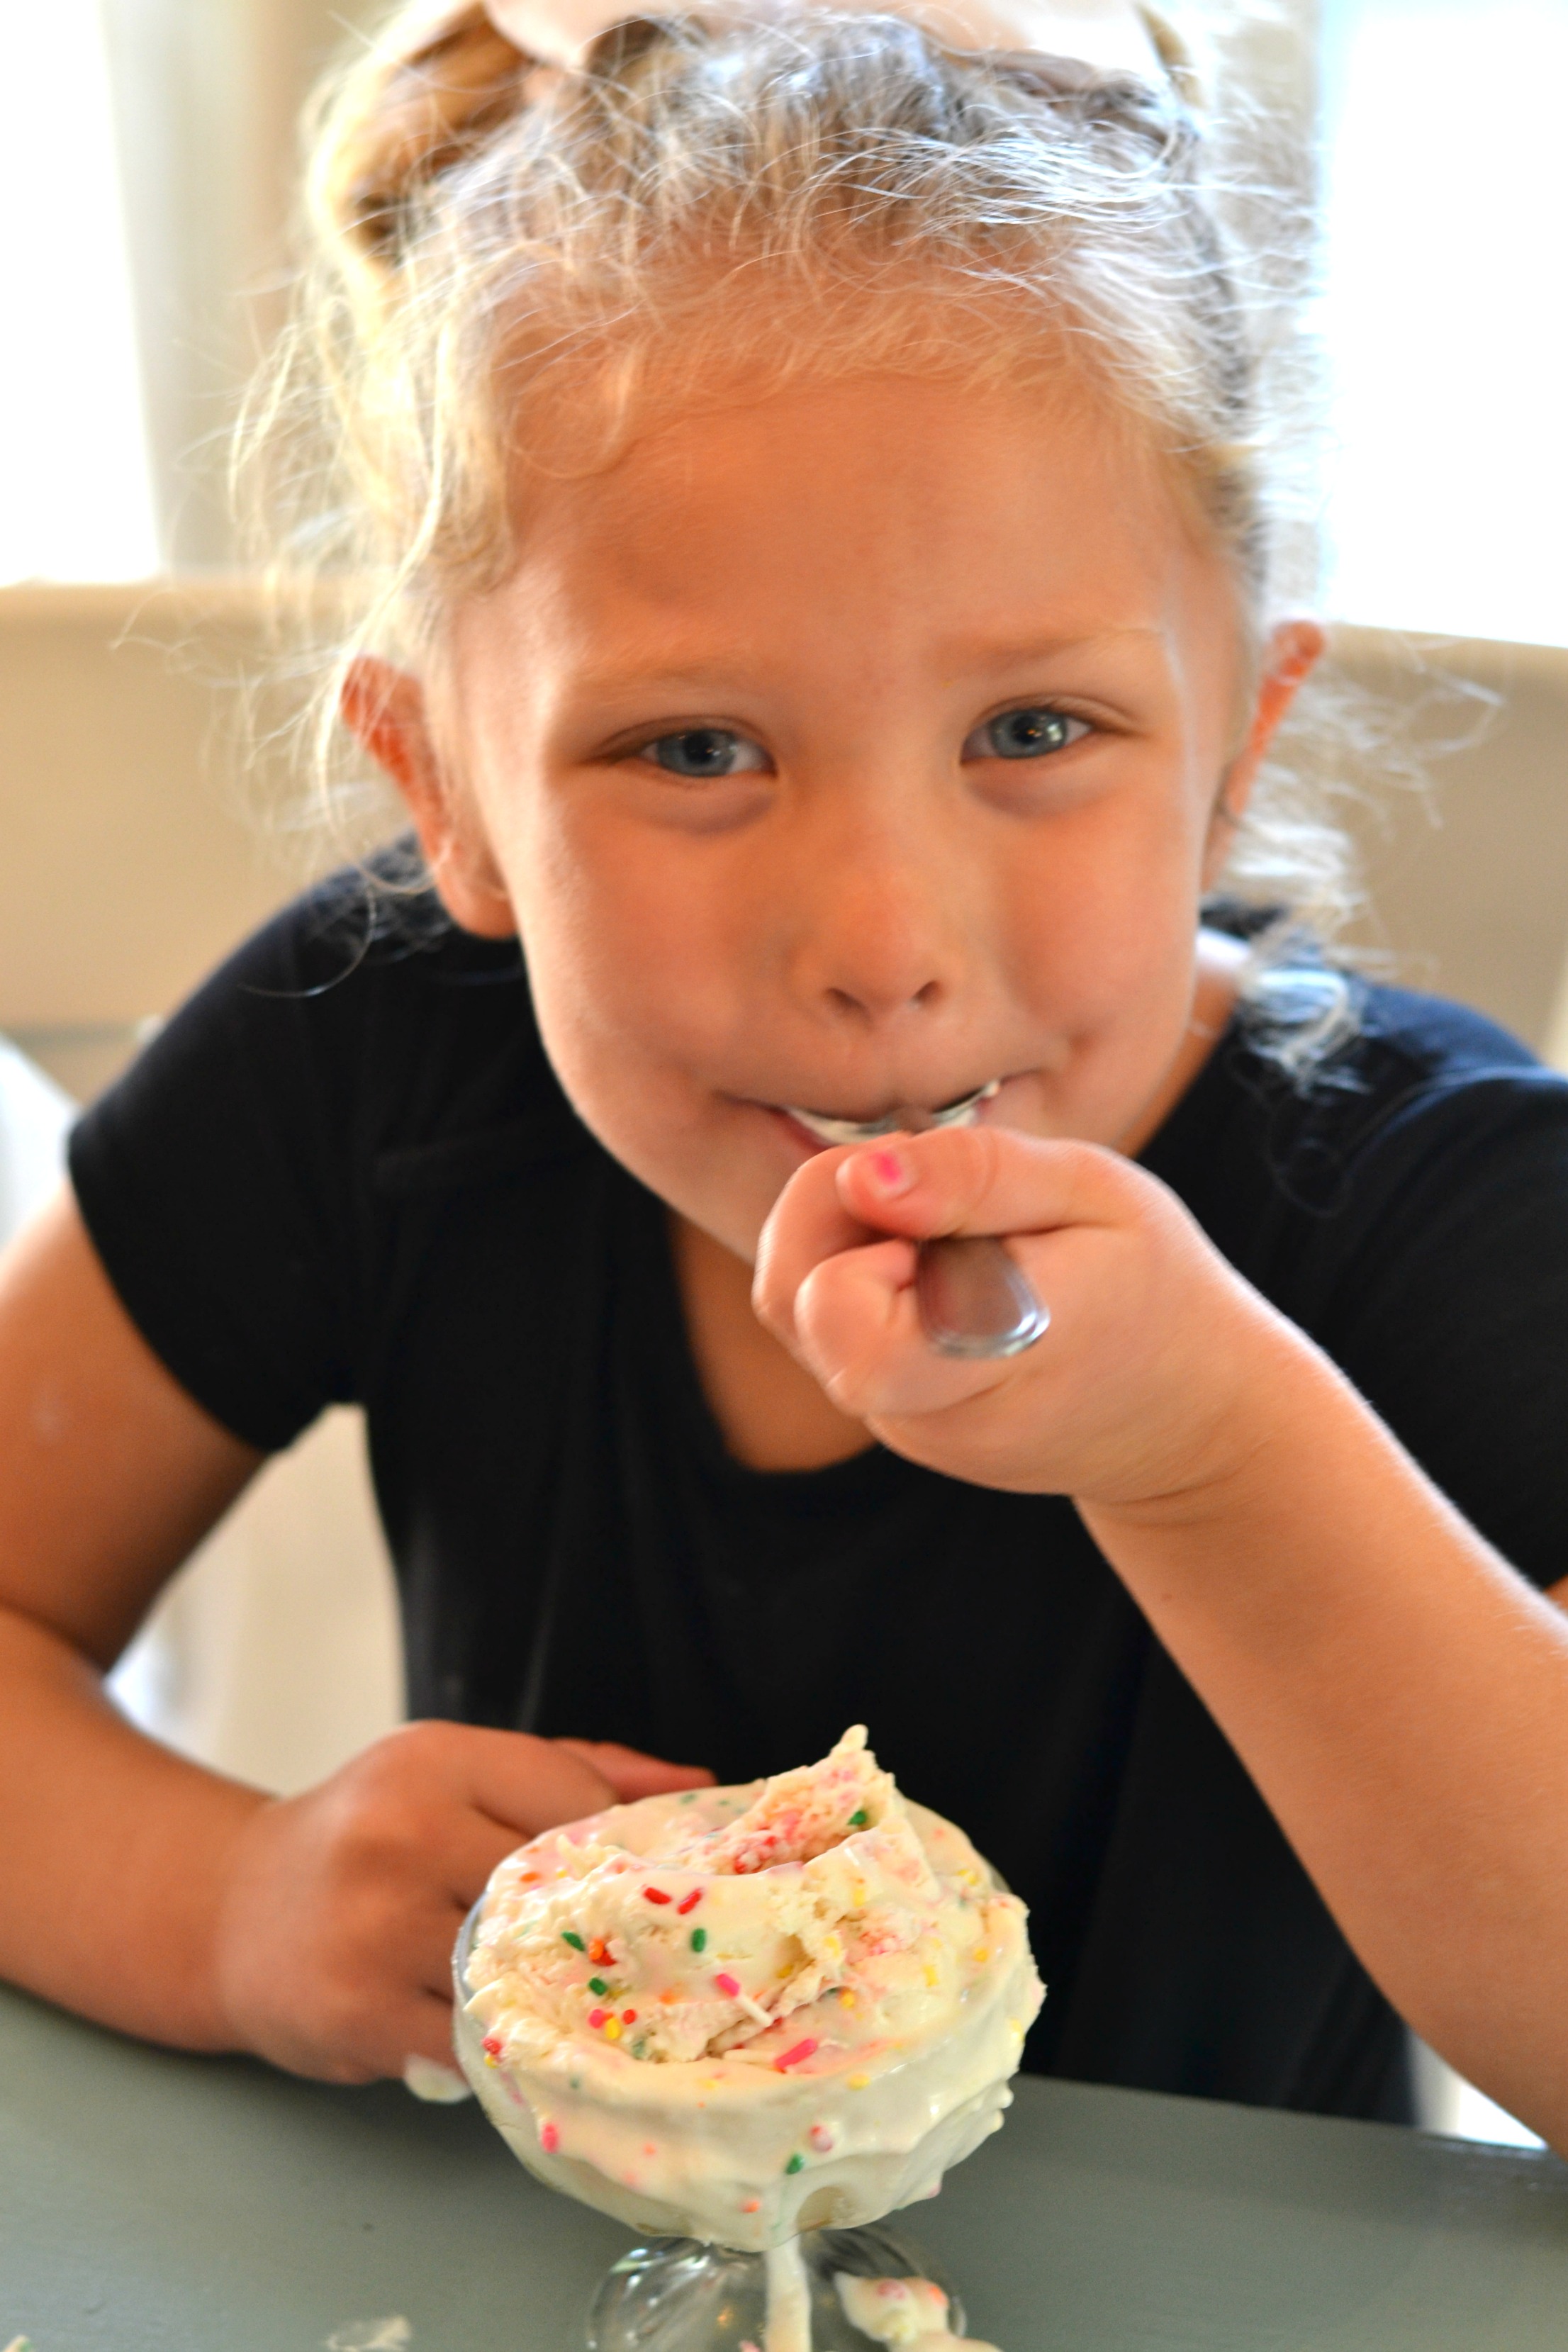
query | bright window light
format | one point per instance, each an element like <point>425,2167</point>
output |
<point>1446,315</point>
<point>76,493</point>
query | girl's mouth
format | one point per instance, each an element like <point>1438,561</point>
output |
<point>904,1119</point>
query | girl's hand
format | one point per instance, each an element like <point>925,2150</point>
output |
<point>1137,1395</point>
<point>335,1941</point>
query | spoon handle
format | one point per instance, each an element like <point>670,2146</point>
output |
<point>974,1299</point>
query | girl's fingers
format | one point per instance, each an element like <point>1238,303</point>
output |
<point>472,1844</point>
<point>954,1180</point>
<point>982,1180</point>
<point>432,1970</point>
<point>810,1222</point>
<point>427,2034</point>
<point>632,1774</point>
<point>525,1784</point>
<point>408,2025</point>
<point>857,1326</point>
<point>511,1786</point>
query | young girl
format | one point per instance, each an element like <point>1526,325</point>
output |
<point>828,637</point>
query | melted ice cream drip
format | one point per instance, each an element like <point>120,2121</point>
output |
<point>789,2299</point>
<point>900,2311</point>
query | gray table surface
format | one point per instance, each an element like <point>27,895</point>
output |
<point>203,2205</point>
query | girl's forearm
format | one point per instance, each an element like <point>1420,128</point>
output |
<point>114,1851</point>
<point>1400,1696</point>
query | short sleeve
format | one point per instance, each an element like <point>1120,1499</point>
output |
<point>216,1178</point>
<point>1451,1313</point>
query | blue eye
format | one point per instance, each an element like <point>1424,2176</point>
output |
<point>1028,734</point>
<point>705,751</point>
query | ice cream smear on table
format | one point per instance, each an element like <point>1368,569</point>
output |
<point>737,2013</point>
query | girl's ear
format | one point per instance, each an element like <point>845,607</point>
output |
<point>1294,647</point>
<point>384,709</point>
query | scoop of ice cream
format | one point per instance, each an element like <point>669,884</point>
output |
<point>704,2012</point>
<point>707,1927</point>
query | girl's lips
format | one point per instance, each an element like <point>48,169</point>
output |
<point>828,1127</point>
<point>801,1137</point>
<point>805,1128</point>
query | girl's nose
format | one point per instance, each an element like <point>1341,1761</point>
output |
<point>879,935</point>
<point>871,1001</point>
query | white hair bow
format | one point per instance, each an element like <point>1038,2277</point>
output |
<point>1113,36</point>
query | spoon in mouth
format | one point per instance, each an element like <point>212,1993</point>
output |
<point>904,1119</point>
<point>974,1299</point>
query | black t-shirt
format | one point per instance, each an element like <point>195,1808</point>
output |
<point>346,1171</point>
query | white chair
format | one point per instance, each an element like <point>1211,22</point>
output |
<point>35,1118</point>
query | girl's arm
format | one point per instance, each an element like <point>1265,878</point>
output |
<point>112,1850</point>
<point>1399,1694</point>
<point>137,1887</point>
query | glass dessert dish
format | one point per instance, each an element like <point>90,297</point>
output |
<point>677,2294</point>
<point>749,2023</point>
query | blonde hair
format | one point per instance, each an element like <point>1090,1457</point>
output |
<point>508,261</point>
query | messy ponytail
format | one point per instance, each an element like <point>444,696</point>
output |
<point>391,126</point>
<point>506,258</point>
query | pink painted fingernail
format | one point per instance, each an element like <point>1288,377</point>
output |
<point>890,1172</point>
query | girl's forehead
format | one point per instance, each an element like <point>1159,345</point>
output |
<point>922,489</point>
<point>853,546</point>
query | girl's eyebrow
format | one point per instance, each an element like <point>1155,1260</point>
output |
<point>977,653</point>
<point>678,668</point>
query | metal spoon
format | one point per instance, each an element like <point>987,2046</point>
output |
<point>974,1299</point>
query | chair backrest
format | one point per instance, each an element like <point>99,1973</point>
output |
<point>35,1118</point>
<point>143,836</point>
<point>1469,878</point>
